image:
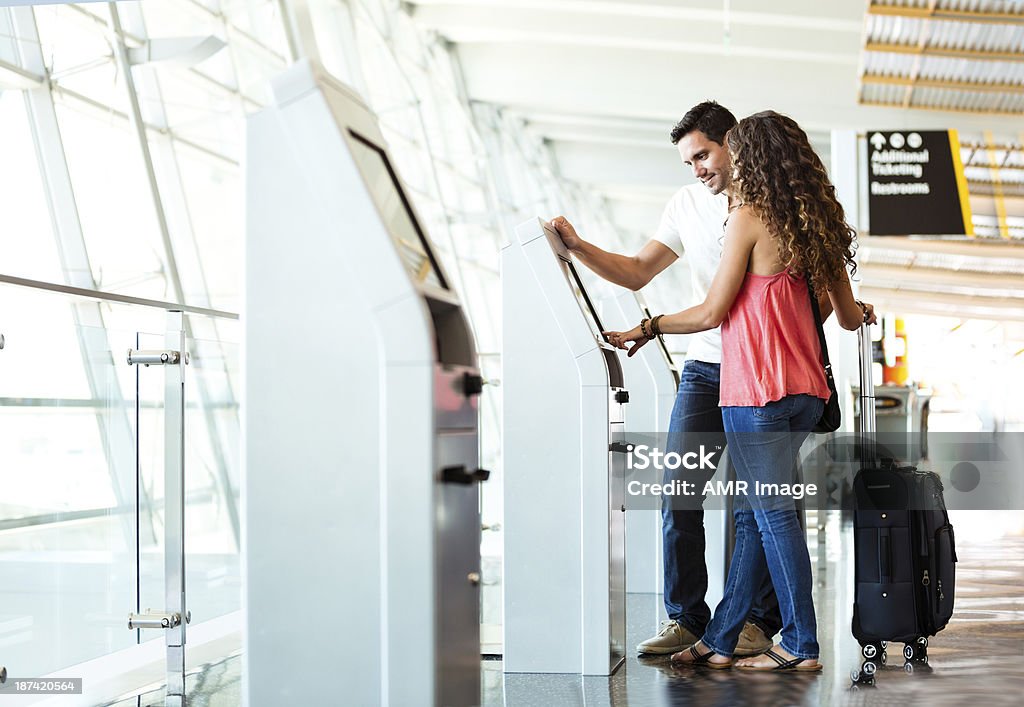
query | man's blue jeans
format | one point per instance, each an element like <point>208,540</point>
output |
<point>697,419</point>
<point>763,445</point>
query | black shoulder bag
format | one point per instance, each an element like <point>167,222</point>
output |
<point>831,415</point>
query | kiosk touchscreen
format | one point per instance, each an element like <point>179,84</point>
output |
<point>360,490</point>
<point>653,377</point>
<point>564,465</point>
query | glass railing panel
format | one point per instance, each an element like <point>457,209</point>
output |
<point>67,505</point>
<point>82,508</point>
<point>212,466</point>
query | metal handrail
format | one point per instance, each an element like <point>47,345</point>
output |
<point>113,297</point>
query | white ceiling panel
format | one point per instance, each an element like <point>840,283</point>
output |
<point>603,81</point>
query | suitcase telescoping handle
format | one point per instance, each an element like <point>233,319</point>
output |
<point>867,396</point>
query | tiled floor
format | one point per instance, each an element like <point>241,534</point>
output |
<point>978,660</point>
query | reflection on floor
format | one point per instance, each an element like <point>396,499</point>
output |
<point>217,684</point>
<point>978,659</point>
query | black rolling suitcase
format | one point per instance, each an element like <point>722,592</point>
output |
<point>905,555</point>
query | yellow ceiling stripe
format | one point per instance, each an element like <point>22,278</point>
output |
<point>997,186</point>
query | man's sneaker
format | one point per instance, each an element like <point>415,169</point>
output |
<point>670,639</point>
<point>752,641</point>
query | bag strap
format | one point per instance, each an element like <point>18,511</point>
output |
<point>817,322</point>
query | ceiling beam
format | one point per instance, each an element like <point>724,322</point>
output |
<point>800,15</point>
<point>505,35</point>
<point>942,109</point>
<point>620,84</point>
<point>935,13</point>
<point>993,253</point>
<point>944,83</point>
<point>587,26</point>
<point>942,304</point>
<point>951,52</point>
<point>874,274</point>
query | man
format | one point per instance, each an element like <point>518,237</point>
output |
<point>692,223</point>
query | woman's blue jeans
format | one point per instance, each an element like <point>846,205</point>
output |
<point>763,444</point>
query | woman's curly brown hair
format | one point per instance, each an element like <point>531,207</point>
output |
<point>777,173</point>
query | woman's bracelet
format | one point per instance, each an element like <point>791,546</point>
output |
<point>656,325</point>
<point>864,309</point>
<point>643,328</point>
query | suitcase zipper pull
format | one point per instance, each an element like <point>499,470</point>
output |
<point>941,595</point>
<point>924,580</point>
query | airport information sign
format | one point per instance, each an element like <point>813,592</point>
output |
<point>916,184</point>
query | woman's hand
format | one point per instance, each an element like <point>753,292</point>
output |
<point>869,313</point>
<point>620,339</point>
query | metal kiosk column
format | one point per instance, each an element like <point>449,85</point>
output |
<point>360,482</point>
<point>564,565</point>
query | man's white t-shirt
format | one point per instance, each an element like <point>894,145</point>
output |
<point>693,223</point>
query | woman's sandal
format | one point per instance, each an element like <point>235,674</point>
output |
<point>794,665</point>
<point>697,658</point>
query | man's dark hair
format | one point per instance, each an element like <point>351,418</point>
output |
<point>708,117</point>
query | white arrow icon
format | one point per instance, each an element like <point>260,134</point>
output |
<point>878,141</point>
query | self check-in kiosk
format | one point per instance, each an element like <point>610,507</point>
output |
<point>564,463</point>
<point>653,377</point>
<point>360,490</point>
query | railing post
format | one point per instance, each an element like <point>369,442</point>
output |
<point>174,509</point>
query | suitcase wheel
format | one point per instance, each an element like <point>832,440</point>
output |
<point>917,650</point>
<point>864,676</point>
<point>872,651</point>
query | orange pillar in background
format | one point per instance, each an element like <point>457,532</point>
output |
<point>895,370</point>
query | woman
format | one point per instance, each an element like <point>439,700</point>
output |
<point>785,227</point>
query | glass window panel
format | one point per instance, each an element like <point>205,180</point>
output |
<point>27,245</point>
<point>220,68</point>
<point>255,69</point>
<point>388,87</point>
<point>114,204</point>
<point>404,150</point>
<point>213,192</point>
<point>8,49</point>
<point>206,116</point>
<point>374,13</point>
<point>260,19</point>
<point>183,18</point>
<point>178,18</point>
<point>79,56</point>
<point>39,361</point>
